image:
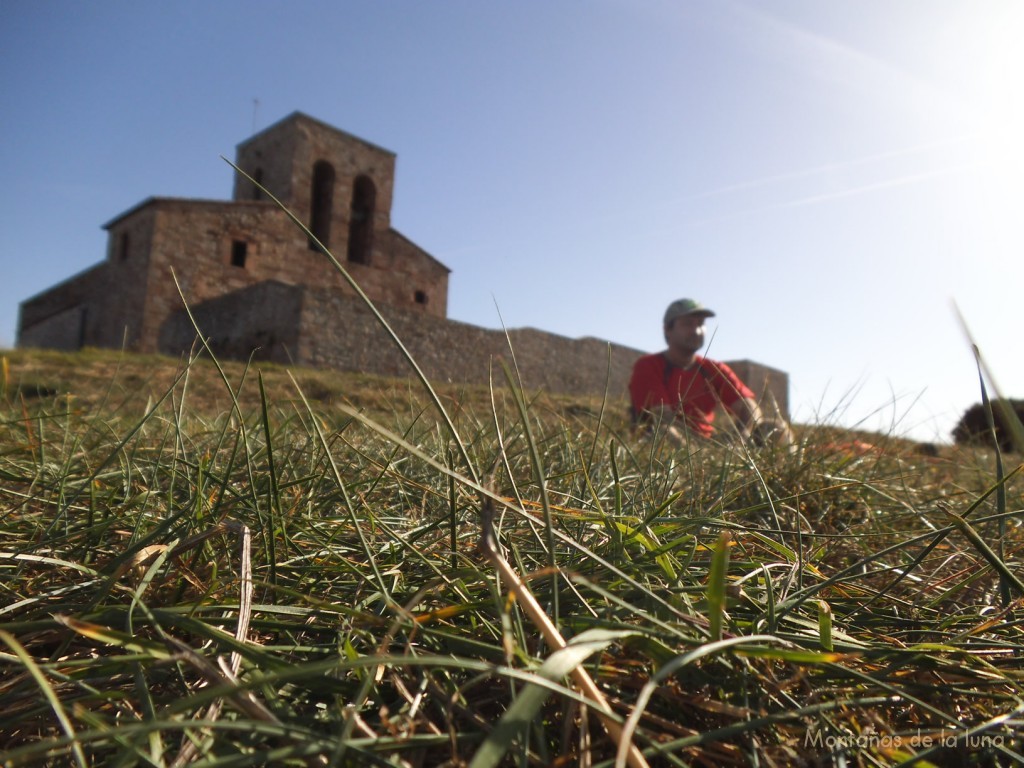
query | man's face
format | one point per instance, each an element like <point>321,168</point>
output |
<point>686,333</point>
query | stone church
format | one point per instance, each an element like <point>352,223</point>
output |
<point>257,286</point>
<point>339,185</point>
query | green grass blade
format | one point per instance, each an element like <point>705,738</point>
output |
<point>716,589</point>
<point>49,694</point>
<point>523,711</point>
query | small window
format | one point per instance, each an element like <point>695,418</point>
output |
<point>239,250</point>
<point>123,247</point>
<point>421,297</point>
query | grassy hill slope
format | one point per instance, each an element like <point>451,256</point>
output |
<point>229,566</point>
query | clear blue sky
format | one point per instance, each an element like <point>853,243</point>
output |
<point>829,176</point>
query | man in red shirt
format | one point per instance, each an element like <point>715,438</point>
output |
<point>679,386</point>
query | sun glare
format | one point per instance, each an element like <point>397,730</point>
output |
<point>999,84</point>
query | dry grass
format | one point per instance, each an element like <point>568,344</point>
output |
<point>845,618</point>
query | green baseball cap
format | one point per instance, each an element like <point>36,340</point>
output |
<point>682,307</point>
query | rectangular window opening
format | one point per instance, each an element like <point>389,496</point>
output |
<point>239,250</point>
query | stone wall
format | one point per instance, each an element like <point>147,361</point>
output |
<point>195,242</point>
<point>344,335</point>
<point>301,326</point>
<point>61,317</point>
<point>129,244</point>
<point>64,329</point>
<point>261,321</point>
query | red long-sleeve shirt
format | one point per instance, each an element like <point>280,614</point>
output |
<point>692,392</point>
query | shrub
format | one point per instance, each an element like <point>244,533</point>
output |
<point>973,427</point>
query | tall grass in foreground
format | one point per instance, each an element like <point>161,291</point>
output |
<point>288,579</point>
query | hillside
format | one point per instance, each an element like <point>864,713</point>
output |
<point>228,566</point>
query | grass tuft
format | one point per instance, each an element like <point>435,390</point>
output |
<point>202,564</point>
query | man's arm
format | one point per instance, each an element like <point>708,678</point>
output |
<point>662,421</point>
<point>750,420</point>
<point>754,426</point>
<point>746,413</point>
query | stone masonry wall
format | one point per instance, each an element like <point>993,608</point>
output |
<point>129,242</point>
<point>343,334</point>
<point>193,241</point>
<point>60,317</point>
<point>261,321</point>
<point>268,156</point>
<point>64,329</point>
